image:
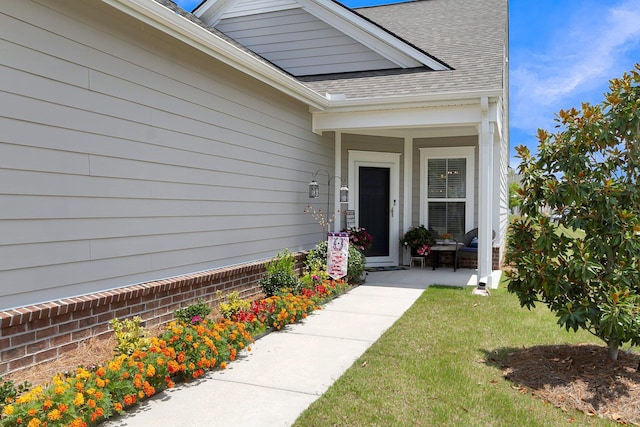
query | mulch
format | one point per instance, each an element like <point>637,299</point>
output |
<point>579,377</point>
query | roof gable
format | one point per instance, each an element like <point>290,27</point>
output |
<point>312,37</point>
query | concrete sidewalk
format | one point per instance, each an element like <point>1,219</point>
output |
<point>288,370</point>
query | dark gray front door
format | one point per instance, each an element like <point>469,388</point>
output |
<point>373,214</point>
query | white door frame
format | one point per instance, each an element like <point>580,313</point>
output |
<point>381,160</point>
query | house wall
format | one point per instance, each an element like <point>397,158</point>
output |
<point>127,157</point>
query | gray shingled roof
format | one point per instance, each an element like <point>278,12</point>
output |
<point>468,35</point>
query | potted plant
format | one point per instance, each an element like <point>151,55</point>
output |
<point>446,238</point>
<point>419,240</point>
<point>359,238</point>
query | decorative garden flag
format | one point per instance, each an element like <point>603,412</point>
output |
<point>337,255</point>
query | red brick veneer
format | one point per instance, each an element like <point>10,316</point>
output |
<point>39,333</point>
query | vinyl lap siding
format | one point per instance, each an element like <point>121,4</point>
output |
<point>125,157</point>
<point>302,44</point>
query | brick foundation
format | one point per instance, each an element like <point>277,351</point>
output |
<point>43,332</point>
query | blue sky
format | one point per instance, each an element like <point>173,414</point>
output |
<point>562,53</point>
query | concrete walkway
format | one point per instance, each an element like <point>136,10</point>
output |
<point>286,371</point>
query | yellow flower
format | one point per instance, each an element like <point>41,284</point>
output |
<point>8,410</point>
<point>54,415</point>
<point>79,399</point>
<point>34,423</point>
<point>151,371</point>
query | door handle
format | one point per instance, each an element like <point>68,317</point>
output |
<point>391,211</point>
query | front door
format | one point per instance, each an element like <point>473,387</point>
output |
<point>373,203</point>
<point>376,186</point>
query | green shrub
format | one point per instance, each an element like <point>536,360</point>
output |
<point>9,391</point>
<point>233,305</point>
<point>280,275</point>
<point>194,313</point>
<point>355,263</point>
<point>130,335</point>
<point>315,273</point>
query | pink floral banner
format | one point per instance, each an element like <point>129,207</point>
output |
<point>337,255</point>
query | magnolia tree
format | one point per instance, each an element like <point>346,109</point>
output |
<point>576,245</point>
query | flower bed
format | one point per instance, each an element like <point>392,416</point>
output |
<point>185,350</point>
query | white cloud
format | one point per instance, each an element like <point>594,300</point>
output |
<point>576,64</point>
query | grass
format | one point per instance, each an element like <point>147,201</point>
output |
<point>439,365</point>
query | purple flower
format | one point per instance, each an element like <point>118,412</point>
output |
<point>196,319</point>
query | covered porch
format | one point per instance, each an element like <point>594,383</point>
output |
<point>387,152</point>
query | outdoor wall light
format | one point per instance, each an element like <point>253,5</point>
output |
<point>344,194</point>
<point>314,188</point>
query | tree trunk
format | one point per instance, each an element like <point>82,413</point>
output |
<point>613,351</point>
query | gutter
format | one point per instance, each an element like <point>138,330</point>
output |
<point>339,102</point>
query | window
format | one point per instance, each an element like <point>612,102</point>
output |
<point>447,190</point>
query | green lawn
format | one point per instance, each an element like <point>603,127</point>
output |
<point>439,366</point>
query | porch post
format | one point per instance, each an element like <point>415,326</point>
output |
<point>337,154</point>
<point>485,196</point>
<point>408,190</point>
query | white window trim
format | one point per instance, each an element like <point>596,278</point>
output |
<point>448,153</point>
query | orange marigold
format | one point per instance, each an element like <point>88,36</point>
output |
<point>78,422</point>
<point>91,403</point>
<point>98,413</point>
<point>117,406</point>
<point>148,389</point>
<point>54,415</point>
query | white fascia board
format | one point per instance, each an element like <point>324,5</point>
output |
<point>180,28</point>
<point>212,10</point>
<point>370,35</point>
<point>460,109</point>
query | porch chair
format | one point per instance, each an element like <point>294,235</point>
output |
<point>469,247</point>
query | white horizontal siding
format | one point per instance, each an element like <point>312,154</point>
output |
<point>302,44</point>
<point>125,157</point>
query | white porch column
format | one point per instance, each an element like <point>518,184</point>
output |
<point>407,193</point>
<point>337,169</point>
<point>485,196</point>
